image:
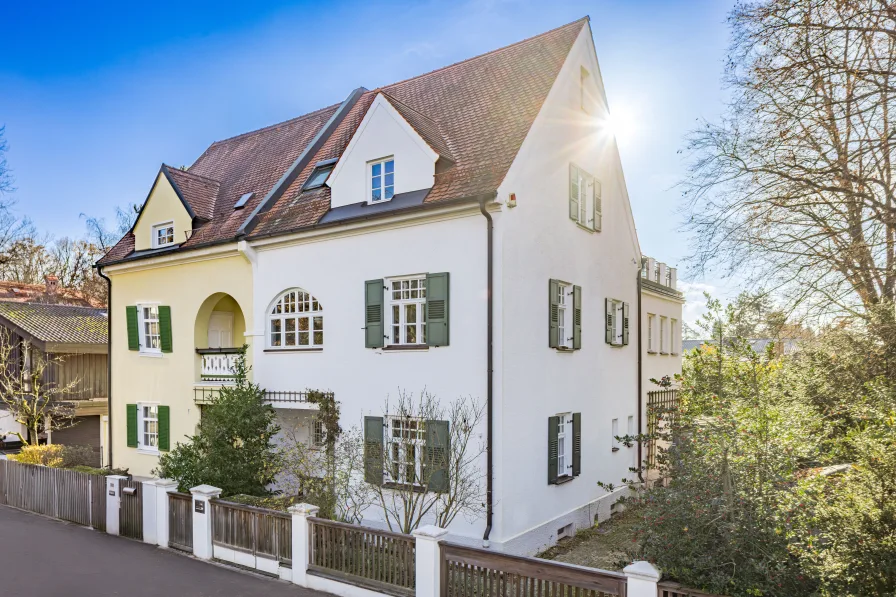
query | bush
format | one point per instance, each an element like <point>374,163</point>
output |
<point>76,458</point>
<point>51,455</point>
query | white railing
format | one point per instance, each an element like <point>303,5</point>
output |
<point>218,364</point>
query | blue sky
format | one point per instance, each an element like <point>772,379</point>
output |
<point>95,96</point>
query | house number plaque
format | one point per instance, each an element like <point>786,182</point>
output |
<point>200,507</point>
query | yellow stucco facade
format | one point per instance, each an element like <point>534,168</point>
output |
<point>193,285</point>
<point>163,205</point>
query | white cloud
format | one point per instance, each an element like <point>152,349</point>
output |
<point>695,305</point>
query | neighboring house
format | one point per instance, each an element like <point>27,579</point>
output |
<point>51,292</point>
<point>782,346</point>
<point>357,249</point>
<point>661,308</point>
<point>76,336</point>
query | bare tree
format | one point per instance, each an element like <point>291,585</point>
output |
<point>429,466</point>
<point>33,399</point>
<point>104,236</point>
<point>794,188</point>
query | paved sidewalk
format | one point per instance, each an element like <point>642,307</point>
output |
<point>42,557</point>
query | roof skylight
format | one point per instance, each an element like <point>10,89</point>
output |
<point>318,176</point>
<point>243,200</point>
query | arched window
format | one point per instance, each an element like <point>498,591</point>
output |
<point>296,321</point>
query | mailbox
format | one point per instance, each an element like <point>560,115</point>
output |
<point>128,490</point>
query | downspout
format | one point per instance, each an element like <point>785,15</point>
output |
<point>108,280</point>
<point>640,428</point>
<point>490,369</point>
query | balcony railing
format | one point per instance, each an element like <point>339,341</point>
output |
<point>218,364</point>
<point>204,395</point>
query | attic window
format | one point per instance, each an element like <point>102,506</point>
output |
<point>319,176</point>
<point>243,200</point>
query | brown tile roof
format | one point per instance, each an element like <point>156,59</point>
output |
<point>476,113</point>
<point>199,192</point>
<point>37,293</point>
<point>57,323</point>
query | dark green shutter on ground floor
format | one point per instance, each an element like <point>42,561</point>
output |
<point>164,428</point>
<point>373,450</point>
<point>132,425</point>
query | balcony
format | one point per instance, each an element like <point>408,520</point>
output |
<point>278,399</point>
<point>218,364</point>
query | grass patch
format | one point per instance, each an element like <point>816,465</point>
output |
<point>603,546</point>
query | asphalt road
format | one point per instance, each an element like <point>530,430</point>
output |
<point>41,557</point>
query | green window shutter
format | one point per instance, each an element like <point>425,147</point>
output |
<point>374,331</point>
<point>438,454</point>
<point>165,328</point>
<point>133,332</point>
<point>373,450</point>
<point>573,192</point>
<point>164,428</point>
<point>553,423</point>
<point>132,425</point>
<point>576,444</point>
<point>598,207</point>
<point>608,317</point>
<point>437,309</point>
<point>577,317</point>
<point>625,323</point>
<point>554,314</point>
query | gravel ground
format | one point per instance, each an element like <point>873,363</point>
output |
<point>602,546</point>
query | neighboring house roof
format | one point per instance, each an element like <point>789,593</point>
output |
<point>38,293</point>
<point>59,324</point>
<point>757,344</point>
<point>475,114</point>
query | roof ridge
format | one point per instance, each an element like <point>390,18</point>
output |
<point>583,20</point>
<point>187,171</point>
<point>32,303</point>
<point>266,128</point>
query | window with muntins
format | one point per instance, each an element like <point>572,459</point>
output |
<point>296,321</point>
<point>149,427</point>
<point>663,335</point>
<point>651,321</point>
<point>406,312</point>
<point>150,334</point>
<point>564,329</point>
<point>318,433</point>
<point>405,439</point>
<point>564,445</point>
<point>382,180</point>
<point>163,234</point>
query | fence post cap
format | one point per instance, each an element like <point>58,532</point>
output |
<point>643,571</point>
<point>125,477</point>
<point>429,531</point>
<point>304,509</point>
<point>204,490</point>
<point>165,483</point>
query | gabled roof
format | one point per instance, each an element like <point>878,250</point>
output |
<point>475,114</point>
<point>198,192</point>
<point>38,293</point>
<point>63,324</point>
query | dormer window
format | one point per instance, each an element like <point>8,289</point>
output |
<point>162,235</point>
<point>382,180</point>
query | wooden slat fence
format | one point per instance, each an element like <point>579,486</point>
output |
<point>60,493</point>
<point>673,589</point>
<point>3,482</point>
<point>259,531</point>
<point>130,516</point>
<point>379,560</point>
<point>472,572</point>
<point>180,521</point>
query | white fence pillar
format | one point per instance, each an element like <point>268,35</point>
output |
<point>642,579</point>
<point>113,502</point>
<point>429,560</point>
<point>202,520</point>
<point>155,510</point>
<point>301,554</point>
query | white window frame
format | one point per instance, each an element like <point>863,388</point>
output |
<point>404,435</point>
<point>287,314</point>
<point>586,186</point>
<point>156,228</point>
<point>584,77</point>
<point>651,321</point>
<point>565,323</point>
<point>146,338</point>
<point>673,337</point>
<point>663,339</point>
<point>564,445</point>
<point>382,182</point>
<point>619,326</point>
<point>318,433</point>
<point>142,434</point>
<point>409,295</point>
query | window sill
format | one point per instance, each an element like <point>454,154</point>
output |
<point>404,347</point>
<point>405,487</point>
<point>287,350</point>
<point>585,228</point>
<point>615,449</point>
<point>563,480</point>
<point>148,451</point>
<point>652,352</point>
<point>665,353</point>
<point>564,349</point>
<point>152,355</point>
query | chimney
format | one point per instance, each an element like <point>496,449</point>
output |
<point>52,284</point>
